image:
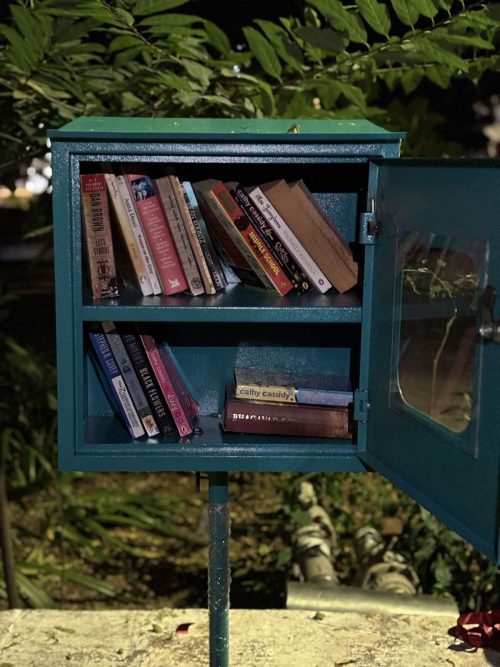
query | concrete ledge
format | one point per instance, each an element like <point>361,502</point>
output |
<point>270,638</point>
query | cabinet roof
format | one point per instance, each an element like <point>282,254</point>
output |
<point>222,129</point>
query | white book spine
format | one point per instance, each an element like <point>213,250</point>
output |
<point>142,242</point>
<point>294,246</point>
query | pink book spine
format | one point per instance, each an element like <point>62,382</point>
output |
<point>180,418</point>
<point>162,245</point>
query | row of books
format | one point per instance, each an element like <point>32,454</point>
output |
<point>143,381</point>
<point>148,391</point>
<point>177,236</point>
<point>285,403</point>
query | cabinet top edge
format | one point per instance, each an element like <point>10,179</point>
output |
<point>222,129</point>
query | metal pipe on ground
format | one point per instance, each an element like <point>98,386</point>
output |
<point>330,597</point>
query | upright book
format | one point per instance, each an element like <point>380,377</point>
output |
<point>244,416</point>
<point>130,377</point>
<point>96,228</point>
<point>308,227</point>
<point>134,241</point>
<point>160,239</point>
<point>315,275</point>
<point>148,381</point>
<point>182,415</point>
<point>112,379</point>
<point>180,235</point>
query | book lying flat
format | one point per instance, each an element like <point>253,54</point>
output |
<point>242,416</point>
<point>258,384</point>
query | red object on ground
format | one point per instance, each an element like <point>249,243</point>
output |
<point>485,630</point>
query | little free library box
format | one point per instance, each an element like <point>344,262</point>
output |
<point>396,297</point>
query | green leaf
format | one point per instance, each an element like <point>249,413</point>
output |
<point>321,38</point>
<point>169,21</point>
<point>342,19</point>
<point>285,48</point>
<point>263,52</point>
<point>198,72</point>
<point>407,11</point>
<point>130,101</point>
<point>37,597</point>
<point>376,15</point>
<point>146,7</point>
<point>217,38</point>
<point>445,37</point>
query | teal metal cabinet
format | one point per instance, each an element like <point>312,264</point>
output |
<point>425,409</point>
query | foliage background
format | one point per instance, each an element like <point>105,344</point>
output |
<point>405,64</point>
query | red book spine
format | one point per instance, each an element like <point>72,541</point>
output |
<point>167,262</point>
<point>243,416</point>
<point>253,239</point>
<point>181,420</point>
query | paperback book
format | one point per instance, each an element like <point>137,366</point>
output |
<point>294,419</point>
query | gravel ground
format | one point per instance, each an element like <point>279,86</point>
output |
<point>270,638</point>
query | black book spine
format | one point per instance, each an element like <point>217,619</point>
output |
<point>273,243</point>
<point>149,384</point>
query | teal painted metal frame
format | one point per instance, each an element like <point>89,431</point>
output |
<point>212,450</point>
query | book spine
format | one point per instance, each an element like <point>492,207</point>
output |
<point>285,419</point>
<point>295,247</point>
<point>116,383</point>
<point>97,236</point>
<point>189,224</point>
<point>190,406</point>
<point>286,394</point>
<point>274,274</point>
<point>149,383</point>
<point>131,380</point>
<point>155,227</point>
<point>346,268</point>
<point>203,237</point>
<point>129,236</point>
<point>181,420</point>
<point>179,234</point>
<point>324,243</point>
<point>142,240</point>
<point>218,226</point>
<point>272,241</point>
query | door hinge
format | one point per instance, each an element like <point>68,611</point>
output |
<point>361,405</point>
<point>369,227</point>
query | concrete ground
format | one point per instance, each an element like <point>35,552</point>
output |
<point>270,638</point>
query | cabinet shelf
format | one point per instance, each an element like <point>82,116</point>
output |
<point>106,445</point>
<point>235,304</point>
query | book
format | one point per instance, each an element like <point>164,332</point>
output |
<point>166,259</point>
<point>188,220</point>
<point>347,268</point>
<point>190,406</point>
<point>182,420</point>
<point>130,377</point>
<point>257,384</point>
<point>274,244</point>
<point>289,203</point>
<point>203,237</point>
<point>294,419</point>
<point>251,236</point>
<point>98,241</point>
<point>230,242</point>
<point>131,232</point>
<point>292,243</point>
<point>179,233</point>
<point>148,381</point>
<point>112,379</point>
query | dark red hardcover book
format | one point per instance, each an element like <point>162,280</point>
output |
<point>241,416</point>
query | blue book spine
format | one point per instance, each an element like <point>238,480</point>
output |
<point>323,397</point>
<point>116,384</point>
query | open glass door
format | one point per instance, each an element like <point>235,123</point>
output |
<point>433,379</point>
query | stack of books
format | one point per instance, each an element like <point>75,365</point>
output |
<point>286,403</point>
<point>143,382</point>
<point>168,236</point>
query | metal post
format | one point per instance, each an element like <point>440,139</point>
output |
<point>218,569</point>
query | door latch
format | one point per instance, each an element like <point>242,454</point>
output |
<point>489,329</point>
